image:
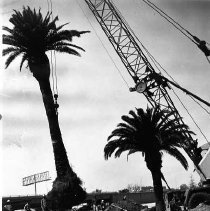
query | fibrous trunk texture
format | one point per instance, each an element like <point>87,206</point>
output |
<point>153,161</point>
<point>66,191</point>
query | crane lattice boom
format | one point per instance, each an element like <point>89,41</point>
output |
<point>145,77</point>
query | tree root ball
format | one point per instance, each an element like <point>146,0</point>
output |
<point>66,193</point>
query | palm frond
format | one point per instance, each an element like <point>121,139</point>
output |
<point>69,34</point>
<point>65,49</point>
<point>63,44</point>
<point>140,112</point>
<point>78,33</point>
<point>120,132</point>
<point>132,151</point>
<point>120,150</point>
<point>178,155</point>
<point>11,58</point>
<point>110,147</point>
<point>61,26</point>
<point>35,34</point>
<point>149,132</point>
<point>24,58</point>
<point>133,114</point>
<point>5,28</point>
<point>9,40</point>
<point>9,50</point>
<point>126,126</point>
<point>129,120</point>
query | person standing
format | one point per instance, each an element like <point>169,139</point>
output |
<point>27,207</point>
<point>203,47</point>
<point>8,206</point>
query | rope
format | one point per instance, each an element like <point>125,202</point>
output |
<point>54,72</point>
<point>200,105</point>
<point>154,61</point>
<point>169,19</point>
<point>208,59</point>
<point>53,65</point>
<point>56,79</point>
<point>103,45</point>
<point>48,6</point>
<point>194,39</point>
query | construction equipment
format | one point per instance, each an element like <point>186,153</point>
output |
<point>146,79</point>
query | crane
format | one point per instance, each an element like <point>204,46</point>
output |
<point>146,79</point>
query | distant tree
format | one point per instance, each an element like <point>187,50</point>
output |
<point>147,188</point>
<point>97,191</point>
<point>200,183</point>
<point>183,187</point>
<point>151,132</point>
<point>192,183</point>
<point>134,188</point>
<point>124,191</point>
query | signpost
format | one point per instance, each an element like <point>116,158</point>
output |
<point>35,178</point>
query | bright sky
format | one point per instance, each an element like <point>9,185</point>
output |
<point>93,96</point>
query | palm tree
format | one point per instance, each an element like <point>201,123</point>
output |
<point>151,132</point>
<point>31,37</point>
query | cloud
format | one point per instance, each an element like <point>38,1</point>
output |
<point>93,96</point>
<point>10,141</point>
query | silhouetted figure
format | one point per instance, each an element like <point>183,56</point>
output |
<point>44,204</point>
<point>27,207</point>
<point>202,46</point>
<point>8,206</point>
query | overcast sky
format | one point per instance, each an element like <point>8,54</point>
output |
<point>93,96</point>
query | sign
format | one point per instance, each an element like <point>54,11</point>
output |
<point>44,176</point>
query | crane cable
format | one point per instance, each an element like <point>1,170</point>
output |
<point>153,60</point>
<point>201,44</point>
<point>156,63</point>
<point>191,117</point>
<point>53,64</point>
<point>169,19</point>
<point>173,21</point>
<point>151,57</point>
<point>126,83</point>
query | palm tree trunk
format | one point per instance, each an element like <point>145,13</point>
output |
<point>61,159</point>
<point>158,190</point>
<point>154,163</point>
<point>66,191</point>
<point>41,71</point>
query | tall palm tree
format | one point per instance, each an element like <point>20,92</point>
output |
<point>31,37</point>
<point>151,132</point>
